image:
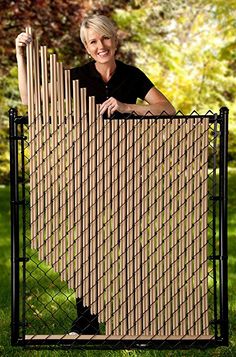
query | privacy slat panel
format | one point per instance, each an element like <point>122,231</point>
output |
<point>119,207</point>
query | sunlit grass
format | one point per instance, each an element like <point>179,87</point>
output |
<point>7,350</point>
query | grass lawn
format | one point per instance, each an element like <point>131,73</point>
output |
<point>5,297</point>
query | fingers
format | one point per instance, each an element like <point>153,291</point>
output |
<point>23,39</point>
<point>111,105</point>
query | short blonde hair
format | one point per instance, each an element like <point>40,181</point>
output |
<point>99,23</point>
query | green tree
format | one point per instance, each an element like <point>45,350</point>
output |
<point>188,49</point>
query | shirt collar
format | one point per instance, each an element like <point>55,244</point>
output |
<point>94,73</point>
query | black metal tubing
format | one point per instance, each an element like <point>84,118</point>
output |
<point>14,226</point>
<point>223,177</point>
<point>211,117</point>
<point>23,199</point>
<point>119,344</point>
<point>214,207</point>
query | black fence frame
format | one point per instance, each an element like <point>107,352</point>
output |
<point>19,259</point>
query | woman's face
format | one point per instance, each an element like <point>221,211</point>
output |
<point>100,47</point>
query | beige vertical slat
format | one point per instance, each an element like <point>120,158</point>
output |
<point>152,223</point>
<point>63,194</point>
<point>167,230</point>
<point>36,74</point>
<point>196,222</point>
<point>65,178</point>
<point>107,215</point>
<point>32,129</point>
<point>115,225</point>
<point>39,143</point>
<point>54,164</point>
<point>60,154</point>
<point>159,225</point>
<point>122,222</point>
<point>47,153</point>
<point>85,196</point>
<point>39,156</point>
<point>189,227</point>
<point>181,230</point>
<point>77,188</point>
<point>130,228</point>
<point>109,226</point>
<point>204,208</point>
<point>44,100</point>
<point>100,210</point>
<point>45,94</point>
<point>70,185</point>
<point>93,205</point>
<point>71,193</point>
<point>60,93</point>
<point>175,222</point>
<point>144,233</point>
<point>137,226</point>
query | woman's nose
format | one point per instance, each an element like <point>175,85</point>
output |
<point>100,43</point>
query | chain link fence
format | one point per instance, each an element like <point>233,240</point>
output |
<point>119,231</point>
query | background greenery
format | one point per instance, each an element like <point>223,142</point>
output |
<point>186,47</point>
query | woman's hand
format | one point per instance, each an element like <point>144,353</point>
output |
<point>112,105</point>
<point>22,40</point>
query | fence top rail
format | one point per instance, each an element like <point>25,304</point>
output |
<point>212,117</point>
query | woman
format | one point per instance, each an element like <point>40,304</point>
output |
<point>115,85</point>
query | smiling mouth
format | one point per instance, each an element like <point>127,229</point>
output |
<point>103,53</point>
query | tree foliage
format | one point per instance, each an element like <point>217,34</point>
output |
<point>186,47</point>
<point>55,22</point>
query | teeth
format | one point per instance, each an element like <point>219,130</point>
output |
<point>102,53</point>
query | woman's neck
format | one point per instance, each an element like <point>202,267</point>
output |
<point>106,70</point>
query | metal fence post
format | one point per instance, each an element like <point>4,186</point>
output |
<point>14,226</point>
<point>223,224</point>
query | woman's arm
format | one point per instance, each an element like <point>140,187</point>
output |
<point>157,103</point>
<point>22,40</point>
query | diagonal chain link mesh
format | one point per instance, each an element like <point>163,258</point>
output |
<point>137,258</point>
<point>122,220</point>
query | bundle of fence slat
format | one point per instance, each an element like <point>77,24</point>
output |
<point>119,207</point>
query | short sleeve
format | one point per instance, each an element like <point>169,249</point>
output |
<point>73,73</point>
<point>144,84</point>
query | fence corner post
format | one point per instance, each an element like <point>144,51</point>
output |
<point>14,196</point>
<point>223,185</point>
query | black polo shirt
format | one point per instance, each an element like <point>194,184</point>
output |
<point>126,84</point>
